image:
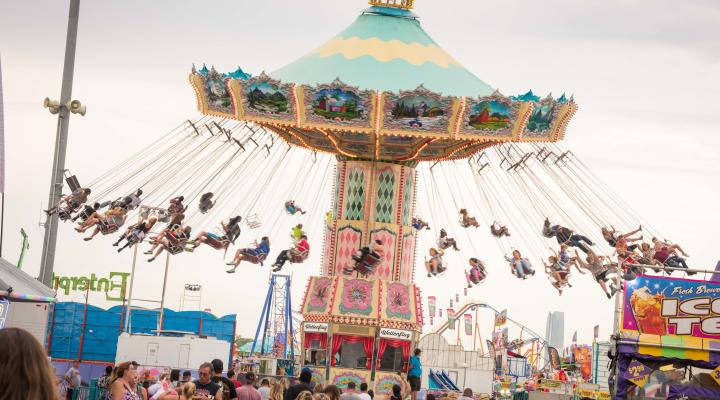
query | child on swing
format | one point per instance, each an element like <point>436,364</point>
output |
<point>466,220</point>
<point>477,272</point>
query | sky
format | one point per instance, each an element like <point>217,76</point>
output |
<point>644,73</point>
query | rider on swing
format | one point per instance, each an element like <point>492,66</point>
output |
<point>434,265</point>
<point>293,209</point>
<point>444,242</point>
<point>206,202</point>
<point>519,265</point>
<point>498,230</point>
<point>137,231</point>
<point>419,224</point>
<point>73,201</point>
<point>566,236</point>
<point>301,248</point>
<point>599,270</point>
<point>115,215</point>
<point>466,220</point>
<point>376,250</point>
<point>477,272</point>
<point>230,233</point>
<point>260,251</point>
<point>179,236</point>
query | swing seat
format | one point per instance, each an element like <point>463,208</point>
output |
<point>298,258</point>
<point>217,244</point>
<point>253,221</point>
<point>251,257</point>
<point>551,277</point>
<point>65,213</point>
<point>176,243</point>
<point>367,264</point>
<point>135,238</point>
<point>111,224</point>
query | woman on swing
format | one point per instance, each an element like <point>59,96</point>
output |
<point>477,272</point>
<point>259,253</point>
<point>419,224</point>
<point>115,216</point>
<point>466,220</point>
<point>599,269</point>
<point>519,265</point>
<point>612,236</point>
<point>293,209</point>
<point>137,232</point>
<point>434,265</point>
<point>173,240</point>
<point>230,233</point>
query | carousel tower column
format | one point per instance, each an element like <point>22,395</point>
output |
<point>372,201</point>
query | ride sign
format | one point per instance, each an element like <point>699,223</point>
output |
<point>388,333</point>
<point>114,285</point>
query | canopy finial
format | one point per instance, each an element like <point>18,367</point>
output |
<point>403,4</point>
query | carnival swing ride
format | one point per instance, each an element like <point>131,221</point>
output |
<point>398,120</point>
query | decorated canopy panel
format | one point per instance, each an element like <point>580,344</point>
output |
<point>357,301</point>
<point>406,126</point>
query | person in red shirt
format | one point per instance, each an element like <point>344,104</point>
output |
<point>301,249</point>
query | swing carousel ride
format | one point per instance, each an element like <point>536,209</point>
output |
<point>398,120</point>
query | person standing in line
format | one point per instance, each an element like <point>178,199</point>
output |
<point>205,388</point>
<point>73,379</point>
<point>467,394</point>
<point>304,384</point>
<point>264,389</point>
<point>186,377</point>
<point>103,380</point>
<point>123,384</point>
<point>248,391</point>
<point>350,393</point>
<point>415,374</point>
<point>364,395</point>
<point>228,387</point>
<point>236,382</point>
<point>277,391</point>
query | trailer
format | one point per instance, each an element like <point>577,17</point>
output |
<point>180,351</point>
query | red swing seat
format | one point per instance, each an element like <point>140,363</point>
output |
<point>253,258</point>
<point>176,244</point>
<point>298,257</point>
<point>368,263</point>
<point>217,244</point>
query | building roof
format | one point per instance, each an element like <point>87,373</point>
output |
<point>24,287</point>
<point>386,50</point>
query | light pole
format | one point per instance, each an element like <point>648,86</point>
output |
<point>63,108</point>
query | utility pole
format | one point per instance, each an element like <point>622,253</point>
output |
<point>56,183</point>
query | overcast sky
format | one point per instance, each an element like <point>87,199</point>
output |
<point>644,73</point>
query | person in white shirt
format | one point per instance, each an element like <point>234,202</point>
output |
<point>364,395</point>
<point>264,389</point>
<point>350,393</point>
<point>73,378</point>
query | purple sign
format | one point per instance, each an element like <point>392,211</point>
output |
<point>637,373</point>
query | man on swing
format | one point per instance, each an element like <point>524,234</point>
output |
<point>566,236</point>
<point>301,248</point>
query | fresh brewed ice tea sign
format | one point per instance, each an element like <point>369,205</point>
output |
<point>666,306</point>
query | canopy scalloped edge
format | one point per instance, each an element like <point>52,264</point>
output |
<point>409,126</point>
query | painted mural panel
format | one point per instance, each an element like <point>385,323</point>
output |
<point>386,268</point>
<point>347,242</point>
<point>420,110</point>
<point>408,258</point>
<point>216,93</point>
<point>356,297</point>
<point>492,116</point>
<point>318,297</point>
<point>264,96</point>
<point>338,104</point>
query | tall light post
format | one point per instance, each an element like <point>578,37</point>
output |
<point>62,108</point>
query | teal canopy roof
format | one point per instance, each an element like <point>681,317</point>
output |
<point>385,49</point>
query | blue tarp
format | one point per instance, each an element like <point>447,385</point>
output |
<point>102,328</point>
